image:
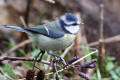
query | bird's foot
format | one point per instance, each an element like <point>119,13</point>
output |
<point>58,59</point>
<point>62,60</point>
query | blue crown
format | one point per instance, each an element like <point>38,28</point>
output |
<point>71,17</point>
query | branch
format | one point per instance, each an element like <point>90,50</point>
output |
<point>5,75</point>
<point>22,59</point>
<point>96,51</point>
<point>66,50</point>
<point>18,46</point>
<point>108,40</point>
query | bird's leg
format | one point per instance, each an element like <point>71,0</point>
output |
<point>43,52</point>
<point>61,59</point>
<point>37,58</point>
<point>52,54</point>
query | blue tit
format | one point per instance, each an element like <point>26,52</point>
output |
<point>55,35</point>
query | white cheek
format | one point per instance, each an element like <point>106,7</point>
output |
<point>73,29</point>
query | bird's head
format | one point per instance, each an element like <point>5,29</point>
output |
<point>69,23</point>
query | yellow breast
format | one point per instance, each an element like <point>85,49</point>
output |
<point>47,43</point>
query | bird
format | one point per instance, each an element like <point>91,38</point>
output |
<point>55,35</point>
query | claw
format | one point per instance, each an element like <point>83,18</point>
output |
<point>62,60</point>
<point>59,59</point>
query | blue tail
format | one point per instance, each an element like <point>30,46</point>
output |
<point>16,28</point>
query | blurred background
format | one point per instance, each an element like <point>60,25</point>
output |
<point>35,12</point>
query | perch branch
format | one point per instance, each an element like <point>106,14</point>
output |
<point>96,51</point>
<point>23,59</point>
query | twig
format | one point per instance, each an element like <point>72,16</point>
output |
<point>23,59</point>
<point>56,75</point>
<point>85,56</point>
<point>66,50</point>
<point>101,41</point>
<point>101,20</point>
<point>28,8</point>
<point>7,76</point>
<point>23,36</point>
<point>23,21</point>
<point>18,46</point>
<point>106,41</point>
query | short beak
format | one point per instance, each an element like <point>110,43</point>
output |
<point>80,23</point>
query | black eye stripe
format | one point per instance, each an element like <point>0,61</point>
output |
<point>74,24</point>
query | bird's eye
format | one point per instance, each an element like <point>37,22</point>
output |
<point>74,24</point>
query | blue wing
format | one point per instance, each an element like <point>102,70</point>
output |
<point>38,30</point>
<point>45,31</point>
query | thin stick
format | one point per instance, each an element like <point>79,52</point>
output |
<point>27,13</point>
<point>85,56</point>
<point>18,46</point>
<point>23,21</point>
<point>101,41</point>
<point>23,59</point>
<point>5,75</point>
<point>101,20</point>
<point>56,75</point>
<point>66,50</point>
<point>106,41</point>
